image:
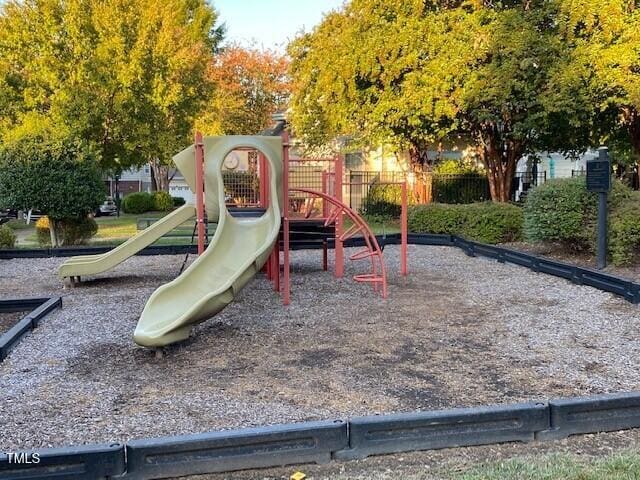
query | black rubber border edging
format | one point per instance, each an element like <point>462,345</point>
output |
<point>601,413</point>
<point>319,442</point>
<point>280,445</point>
<point>579,275</point>
<point>94,462</point>
<point>39,307</point>
<point>384,434</point>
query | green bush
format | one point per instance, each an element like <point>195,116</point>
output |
<point>71,231</point>
<point>78,231</point>
<point>162,201</point>
<point>178,201</point>
<point>624,231</point>
<point>382,201</point>
<point>457,166</point>
<point>460,188</point>
<point>485,222</point>
<point>139,202</point>
<point>7,237</point>
<point>60,178</point>
<point>563,211</point>
<point>42,232</point>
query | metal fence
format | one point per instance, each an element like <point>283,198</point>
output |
<point>369,190</point>
<point>365,188</point>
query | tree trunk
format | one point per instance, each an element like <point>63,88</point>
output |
<point>500,160</point>
<point>419,157</point>
<point>53,234</point>
<point>159,175</point>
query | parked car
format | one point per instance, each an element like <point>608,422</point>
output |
<point>109,207</point>
<point>32,215</point>
<point>7,214</point>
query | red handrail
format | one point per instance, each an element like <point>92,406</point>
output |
<point>372,248</point>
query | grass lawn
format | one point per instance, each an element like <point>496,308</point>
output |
<point>623,466</point>
<point>115,230</point>
<point>120,228</point>
<point>379,226</point>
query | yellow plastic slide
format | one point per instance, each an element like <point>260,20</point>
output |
<point>238,250</point>
<point>94,264</point>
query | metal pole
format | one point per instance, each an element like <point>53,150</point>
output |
<point>403,231</point>
<point>602,230</point>
<point>339,250</point>
<point>199,147</point>
<point>286,287</point>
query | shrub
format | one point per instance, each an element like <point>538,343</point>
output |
<point>42,232</point>
<point>61,178</point>
<point>178,201</point>
<point>78,231</point>
<point>162,201</point>
<point>457,166</point>
<point>460,188</point>
<point>491,222</point>
<point>382,201</point>
<point>7,237</point>
<point>436,218</point>
<point>71,231</point>
<point>485,222</point>
<point>562,210</point>
<point>139,202</point>
<point>624,232</point>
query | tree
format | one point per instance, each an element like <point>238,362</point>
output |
<point>61,179</point>
<point>605,38</point>
<point>128,76</point>
<point>249,86</point>
<point>356,74</point>
<point>414,73</point>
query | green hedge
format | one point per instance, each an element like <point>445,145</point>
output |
<point>485,222</point>
<point>624,232</point>
<point>383,201</point>
<point>562,210</point>
<point>7,237</point>
<point>139,202</point>
<point>162,201</point>
<point>76,231</point>
<point>178,201</point>
<point>460,188</point>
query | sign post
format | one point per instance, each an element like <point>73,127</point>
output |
<point>599,180</point>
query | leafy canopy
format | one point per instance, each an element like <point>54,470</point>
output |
<point>61,179</point>
<point>250,85</point>
<point>127,76</point>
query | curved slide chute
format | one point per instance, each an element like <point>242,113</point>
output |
<point>237,251</point>
<point>94,264</point>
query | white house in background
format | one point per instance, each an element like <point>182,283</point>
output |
<point>179,188</point>
<point>130,181</point>
<point>556,164</point>
<point>236,161</point>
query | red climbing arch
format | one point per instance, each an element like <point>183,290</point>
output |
<point>371,250</point>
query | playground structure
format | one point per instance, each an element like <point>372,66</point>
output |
<point>254,232</point>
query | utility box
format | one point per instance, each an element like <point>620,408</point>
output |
<point>599,173</point>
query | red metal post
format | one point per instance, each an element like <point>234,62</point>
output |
<point>325,186</point>
<point>338,194</point>
<point>286,286</point>
<point>403,230</point>
<point>199,147</point>
<point>275,266</point>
